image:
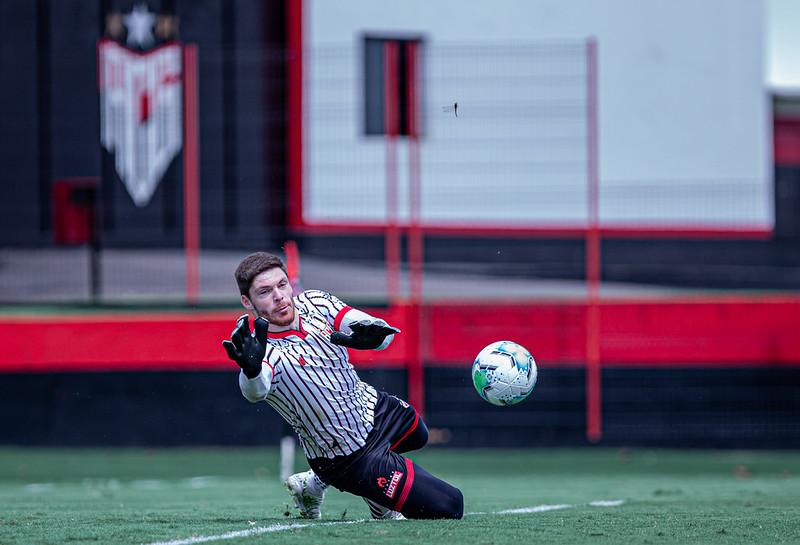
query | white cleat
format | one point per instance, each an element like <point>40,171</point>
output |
<point>306,494</point>
<point>380,512</point>
<point>392,515</point>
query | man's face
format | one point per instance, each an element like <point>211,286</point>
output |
<point>271,297</point>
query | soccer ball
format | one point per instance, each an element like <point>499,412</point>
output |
<point>504,373</point>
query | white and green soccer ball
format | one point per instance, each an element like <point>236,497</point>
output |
<point>504,373</point>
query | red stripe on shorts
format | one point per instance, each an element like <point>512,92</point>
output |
<point>408,431</point>
<point>407,486</point>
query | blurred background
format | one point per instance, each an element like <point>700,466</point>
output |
<point>615,185</point>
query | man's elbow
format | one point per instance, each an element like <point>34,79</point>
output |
<point>252,398</point>
<point>257,388</point>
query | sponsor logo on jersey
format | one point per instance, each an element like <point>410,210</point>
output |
<point>318,325</point>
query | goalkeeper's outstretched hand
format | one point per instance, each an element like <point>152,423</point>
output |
<point>367,334</point>
<point>247,349</point>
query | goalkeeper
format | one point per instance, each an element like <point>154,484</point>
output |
<point>352,434</point>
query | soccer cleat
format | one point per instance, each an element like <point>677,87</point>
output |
<point>307,494</point>
<point>392,515</point>
<point>380,512</point>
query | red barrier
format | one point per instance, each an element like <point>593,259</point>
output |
<point>709,332</point>
<point>100,342</point>
<point>705,332</point>
<point>138,342</point>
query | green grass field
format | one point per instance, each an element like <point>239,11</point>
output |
<point>233,496</point>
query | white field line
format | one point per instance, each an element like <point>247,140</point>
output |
<point>283,527</point>
<point>545,508</point>
<point>202,481</point>
<point>606,503</point>
<point>148,484</point>
<point>249,532</point>
<point>37,488</point>
<point>534,509</point>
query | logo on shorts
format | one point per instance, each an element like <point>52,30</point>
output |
<point>402,403</point>
<point>393,482</point>
<point>382,482</point>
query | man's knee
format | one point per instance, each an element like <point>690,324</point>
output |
<point>446,503</point>
<point>454,508</point>
<point>420,435</point>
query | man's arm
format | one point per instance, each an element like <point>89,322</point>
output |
<point>256,389</point>
<point>353,328</point>
<point>361,331</point>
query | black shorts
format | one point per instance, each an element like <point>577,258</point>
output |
<point>378,472</point>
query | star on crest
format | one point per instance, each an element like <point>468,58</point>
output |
<point>140,23</point>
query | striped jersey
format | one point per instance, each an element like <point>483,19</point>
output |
<point>314,386</point>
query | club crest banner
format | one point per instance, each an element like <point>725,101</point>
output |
<point>140,112</point>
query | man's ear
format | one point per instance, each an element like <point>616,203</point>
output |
<point>246,303</point>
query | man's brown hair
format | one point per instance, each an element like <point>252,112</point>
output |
<point>253,265</point>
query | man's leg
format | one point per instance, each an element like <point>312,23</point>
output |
<point>429,497</point>
<point>407,432</point>
<point>390,483</point>
<point>398,484</point>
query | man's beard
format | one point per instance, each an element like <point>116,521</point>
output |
<point>278,321</point>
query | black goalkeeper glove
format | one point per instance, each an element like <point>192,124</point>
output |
<point>367,335</point>
<point>245,349</point>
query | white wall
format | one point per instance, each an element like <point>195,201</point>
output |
<point>783,73</point>
<point>684,120</point>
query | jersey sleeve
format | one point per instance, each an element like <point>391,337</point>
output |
<point>339,314</point>
<point>330,306</point>
<point>355,315</point>
<point>257,389</point>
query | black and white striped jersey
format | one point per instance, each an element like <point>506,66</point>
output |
<point>314,386</point>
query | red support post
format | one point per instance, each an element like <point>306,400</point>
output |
<point>392,236</point>
<point>594,415</point>
<point>414,363</point>
<point>191,177</point>
<point>416,371</point>
<point>415,234</point>
<point>293,265</point>
<point>294,130</point>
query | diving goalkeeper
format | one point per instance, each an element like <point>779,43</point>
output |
<point>352,434</point>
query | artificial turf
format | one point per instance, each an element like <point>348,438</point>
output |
<point>233,496</point>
